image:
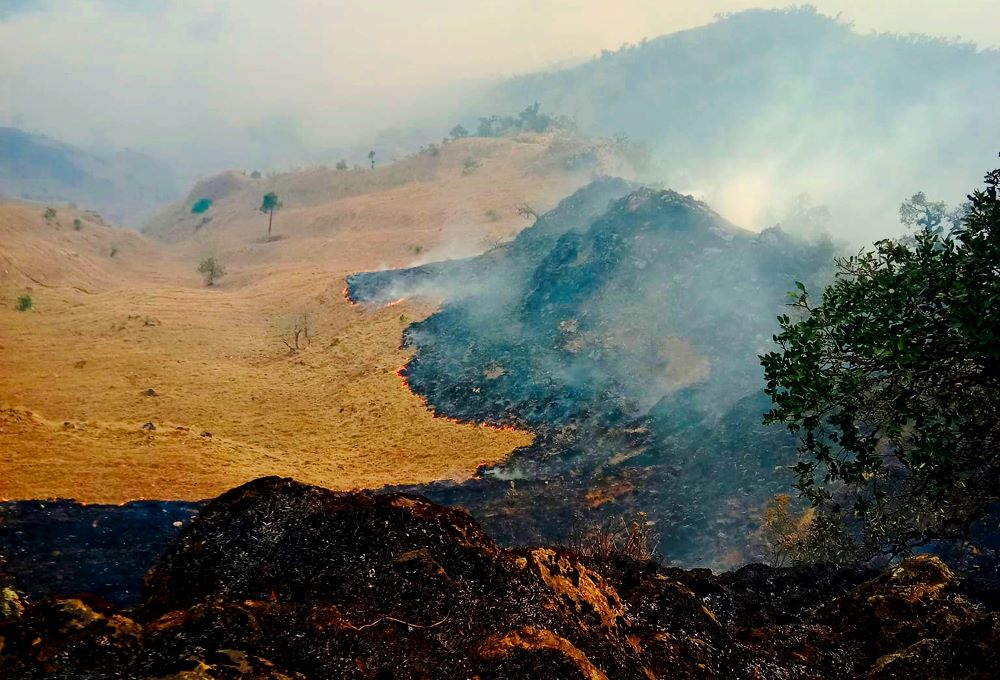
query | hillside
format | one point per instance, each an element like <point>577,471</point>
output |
<point>623,328</point>
<point>114,343</point>
<point>761,106</point>
<point>122,185</point>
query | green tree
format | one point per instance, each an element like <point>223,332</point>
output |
<point>212,269</point>
<point>341,165</point>
<point>24,303</point>
<point>371,157</point>
<point>892,382</point>
<point>201,205</point>
<point>459,132</point>
<point>268,205</point>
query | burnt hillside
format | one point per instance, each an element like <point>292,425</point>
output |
<point>623,328</point>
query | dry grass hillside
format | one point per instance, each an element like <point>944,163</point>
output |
<point>113,342</point>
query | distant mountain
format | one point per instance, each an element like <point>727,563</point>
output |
<point>122,185</point>
<point>759,106</point>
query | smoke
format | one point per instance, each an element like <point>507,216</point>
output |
<point>210,84</point>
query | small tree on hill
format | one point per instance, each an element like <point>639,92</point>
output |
<point>371,157</point>
<point>459,132</point>
<point>201,205</point>
<point>268,205</point>
<point>212,269</point>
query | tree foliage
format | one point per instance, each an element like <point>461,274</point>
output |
<point>892,381</point>
<point>531,119</point>
<point>201,205</point>
<point>211,269</point>
<point>268,205</point>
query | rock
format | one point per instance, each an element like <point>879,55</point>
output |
<point>277,579</point>
<point>11,604</point>
<point>151,392</point>
<point>149,427</point>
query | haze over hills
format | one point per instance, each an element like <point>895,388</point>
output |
<point>761,106</point>
<point>124,186</point>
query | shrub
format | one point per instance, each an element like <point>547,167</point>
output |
<point>341,165</point>
<point>632,537</point>
<point>212,269</point>
<point>469,165</point>
<point>201,205</point>
<point>24,303</point>
<point>50,213</point>
<point>492,215</point>
<point>113,252</point>
<point>77,224</point>
<point>255,174</point>
<point>892,383</point>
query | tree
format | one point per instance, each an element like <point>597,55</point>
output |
<point>341,165</point>
<point>371,157</point>
<point>892,382</point>
<point>268,205</point>
<point>459,132</point>
<point>201,205</point>
<point>526,211</point>
<point>255,174</point>
<point>917,212</point>
<point>24,303</point>
<point>212,269</point>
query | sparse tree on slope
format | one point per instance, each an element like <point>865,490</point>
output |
<point>371,157</point>
<point>268,205</point>
<point>212,269</point>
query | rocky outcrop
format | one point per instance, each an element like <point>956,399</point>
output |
<point>277,579</point>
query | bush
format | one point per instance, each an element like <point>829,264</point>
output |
<point>469,165</point>
<point>632,537</point>
<point>255,174</point>
<point>50,213</point>
<point>24,303</point>
<point>77,224</point>
<point>892,384</point>
<point>492,215</point>
<point>201,205</point>
<point>341,165</point>
<point>212,269</point>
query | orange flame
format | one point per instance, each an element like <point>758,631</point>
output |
<point>404,383</point>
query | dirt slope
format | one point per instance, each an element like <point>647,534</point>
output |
<point>112,343</point>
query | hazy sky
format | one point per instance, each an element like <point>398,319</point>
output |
<point>174,75</point>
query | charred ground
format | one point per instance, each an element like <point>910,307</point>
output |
<point>623,328</point>
<point>278,579</point>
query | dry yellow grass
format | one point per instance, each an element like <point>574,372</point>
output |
<point>75,369</point>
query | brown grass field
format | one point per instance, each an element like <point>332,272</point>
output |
<point>229,401</point>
